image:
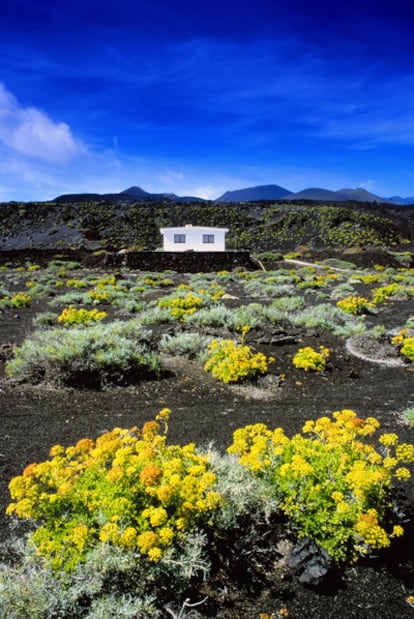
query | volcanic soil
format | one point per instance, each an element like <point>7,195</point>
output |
<point>33,418</point>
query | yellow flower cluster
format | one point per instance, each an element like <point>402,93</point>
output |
<point>379,295</point>
<point>330,480</point>
<point>185,301</point>
<point>310,359</point>
<point>371,533</point>
<point>371,278</point>
<point>76,283</point>
<point>128,488</point>
<point>230,362</point>
<point>21,299</point>
<point>405,342</point>
<point>104,281</point>
<point>256,446</point>
<point>355,305</point>
<point>344,428</point>
<point>73,316</point>
<point>180,306</point>
<point>99,296</point>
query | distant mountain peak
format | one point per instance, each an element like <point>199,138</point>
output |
<point>252,194</point>
<point>135,192</point>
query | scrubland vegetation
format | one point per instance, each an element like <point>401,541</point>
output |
<point>127,524</point>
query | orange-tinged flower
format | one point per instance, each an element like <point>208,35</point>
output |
<point>84,445</point>
<point>29,470</point>
<point>150,430</point>
<point>150,475</point>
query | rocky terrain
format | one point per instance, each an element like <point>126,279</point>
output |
<point>364,374</point>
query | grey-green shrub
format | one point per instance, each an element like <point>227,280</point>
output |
<point>268,289</point>
<point>215,316</point>
<point>408,414</point>
<point>71,298</point>
<point>192,345</point>
<point>112,353</point>
<point>342,290</point>
<point>330,318</point>
<point>288,304</point>
<point>45,319</point>
<point>114,582</point>
<point>155,315</point>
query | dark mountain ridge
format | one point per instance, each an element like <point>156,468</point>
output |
<point>247,194</point>
<point>132,194</point>
<point>253,194</point>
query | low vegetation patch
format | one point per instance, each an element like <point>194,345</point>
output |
<point>101,355</point>
<point>127,489</point>
<point>74,316</point>
<point>331,482</point>
<point>127,522</point>
<point>355,305</point>
<point>232,362</point>
<point>310,359</point>
<point>405,343</point>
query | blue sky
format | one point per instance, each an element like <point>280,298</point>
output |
<point>172,95</point>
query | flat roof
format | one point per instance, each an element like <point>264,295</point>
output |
<point>190,227</point>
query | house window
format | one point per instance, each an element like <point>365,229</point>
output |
<point>208,238</point>
<point>179,238</point>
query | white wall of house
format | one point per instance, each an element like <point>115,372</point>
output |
<point>196,238</point>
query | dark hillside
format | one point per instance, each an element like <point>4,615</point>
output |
<point>256,227</point>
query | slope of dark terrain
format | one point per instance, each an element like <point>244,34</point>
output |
<point>95,225</point>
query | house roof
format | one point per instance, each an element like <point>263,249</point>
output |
<point>190,227</point>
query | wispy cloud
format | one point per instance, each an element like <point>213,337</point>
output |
<point>30,132</point>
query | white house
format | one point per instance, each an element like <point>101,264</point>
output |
<point>195,238</point>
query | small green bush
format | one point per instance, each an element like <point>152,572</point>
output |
<point>101,355</point>
<point>128,489</point>
<point>331,482</point>
<point>21,299</point>
<point>73,316</point>
<point>405,342</point>
<point>192,345</point>
<point>408,414</point>
<point>231,362</point>
<point>310,359</point>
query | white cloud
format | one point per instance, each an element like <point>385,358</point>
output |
<point>30,132</point>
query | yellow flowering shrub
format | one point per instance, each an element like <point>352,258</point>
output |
<point>355,305</point>
<point>180,306</point>
<point>381,294</point>
<point>76,283</point>
<point>405,342</point>
<point>73,316</point>
<point>231,362</point>
<point>184,301</point>
<point>21,299</point>
<point>128,489</point>
<point>99,296</point>
<point>310,359</point>
<point>407,348</point>
<point>331,481</point>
